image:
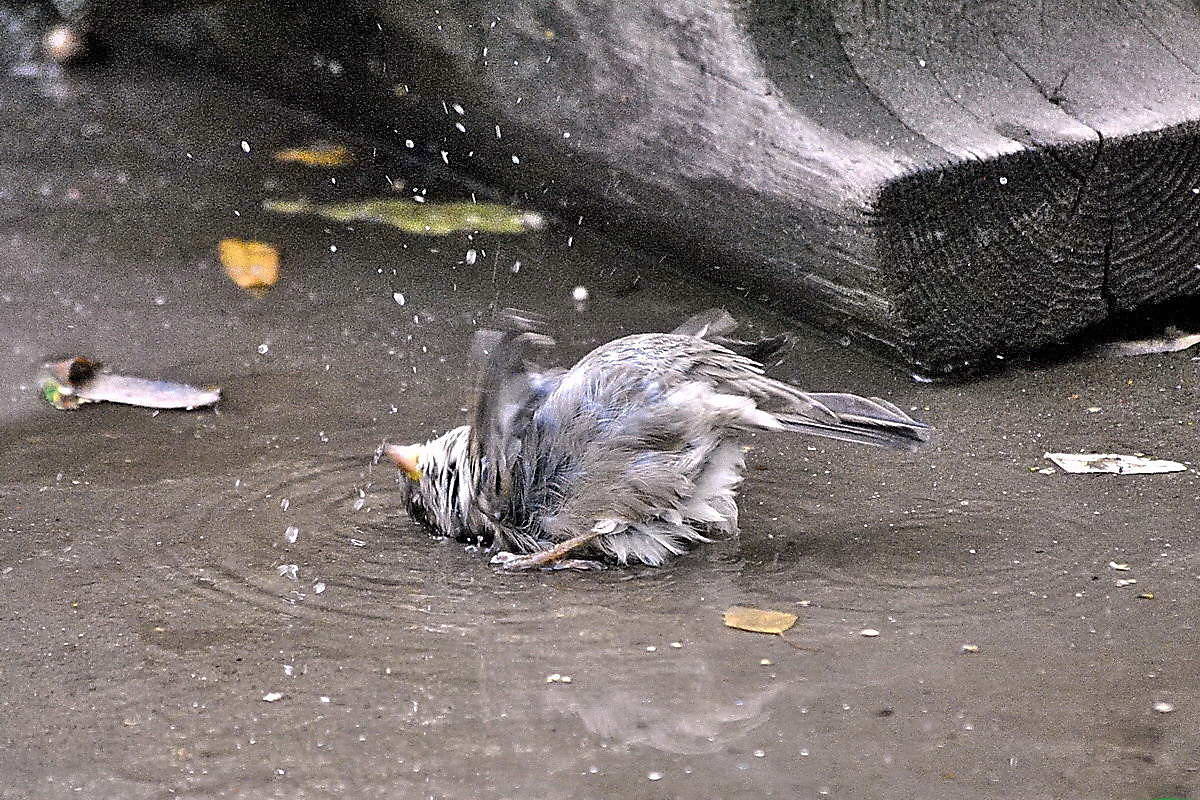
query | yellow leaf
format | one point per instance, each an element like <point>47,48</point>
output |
<point>758,620</point>
<point>249,264</point>
<point>320,154</point>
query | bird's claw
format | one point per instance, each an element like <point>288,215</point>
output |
<point>512,561</point>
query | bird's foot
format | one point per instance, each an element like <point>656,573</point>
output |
<point>547,559</point>
<point>550,557</point>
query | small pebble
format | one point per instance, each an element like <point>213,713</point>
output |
<point>868,632</point>
<point>324,699</point>
<point>1126,582</point>
<point>766,662</point>
<point>654,776</point>
<point>1164,707</point>
<point>291,534</point>
<point>1118,567</point>
<point>580,294</point>
<point>677,645</point>
<point>271,697</point>
<point>760,754</point>
<point>318,587</point>
<point>970,648</point>
<point>651,649</point>
<point>1146,596</point>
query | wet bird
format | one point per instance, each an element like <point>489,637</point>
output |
<point>632,455</point>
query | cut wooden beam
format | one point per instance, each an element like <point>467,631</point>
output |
<point>947,182</point>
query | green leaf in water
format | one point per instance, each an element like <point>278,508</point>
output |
<point>435,219</point>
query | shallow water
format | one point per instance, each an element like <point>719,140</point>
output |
<point>150,597</point>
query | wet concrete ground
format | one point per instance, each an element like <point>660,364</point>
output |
<point>143,616</point>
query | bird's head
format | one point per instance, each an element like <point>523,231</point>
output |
<point>437,480</point>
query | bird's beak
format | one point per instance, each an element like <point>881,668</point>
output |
<point>406,457</point>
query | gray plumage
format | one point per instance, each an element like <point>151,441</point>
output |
<point>632,454</point>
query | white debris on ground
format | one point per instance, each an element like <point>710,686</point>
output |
<point>1079,463</point>
<point>271,697</point>
<point>1175,341</point>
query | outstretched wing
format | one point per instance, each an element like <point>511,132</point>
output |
<point>511,386</point>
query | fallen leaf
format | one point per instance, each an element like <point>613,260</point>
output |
<point>250,264</point>
<point>758,620</point>
<point>318,154</point>
<point>70,383</point>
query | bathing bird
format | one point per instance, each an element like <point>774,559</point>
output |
<point>633,455</point>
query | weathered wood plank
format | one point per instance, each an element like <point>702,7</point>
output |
<point>946,181</point>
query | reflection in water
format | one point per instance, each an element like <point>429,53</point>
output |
<point>713,714</point>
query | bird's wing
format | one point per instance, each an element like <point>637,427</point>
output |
<point>613,446</point>
<point>511,386</point>
<point>679,359</point>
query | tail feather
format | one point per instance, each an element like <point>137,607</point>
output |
<point>862,420</point>
<point>869,432</point>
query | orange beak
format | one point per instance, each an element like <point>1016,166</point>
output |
<point>406,457</point>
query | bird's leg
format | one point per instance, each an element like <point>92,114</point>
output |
<point>548,558</point>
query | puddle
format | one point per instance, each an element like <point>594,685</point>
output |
<point>147,603</point>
